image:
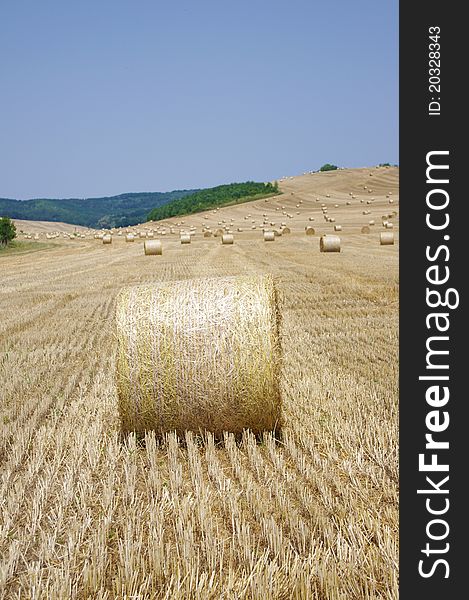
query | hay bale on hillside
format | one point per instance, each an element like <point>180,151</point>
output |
<point>199,355</point>
<point>286,229</point>
<point>329,243</point>
<point>386,238</point>
<point>310,230</point>
<point>337,227</point>
<point>185,238</point>
<point>227,239</point>
<point>152,247</point>
<point>365,229</point>
<point>207,234</point>
<point>269,236</point>
<point>129,237</point>
<point>107,238</point>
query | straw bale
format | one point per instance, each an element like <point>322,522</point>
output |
<point>227,238</point>
<point>185,238</point>
<point>199,355</point>
<point>365,229</point>
<point>310,230</point>
<point>269,236</point>
<point>329,243</point>
<point>386,238</point>
<point>153,247</point>
<point>107,238</point>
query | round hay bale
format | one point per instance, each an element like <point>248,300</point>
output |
<point>337,227</point>
<point>389,225</point>
<point>372,222</point>
<point>269,236</point>
<point>227,238</point>
<point>152,247</point>
<point>185,238</point>
<point>329,243</point>
<point>277,232</point>
<point>365,229</point>
<point>386,238</point>
<point>107,239</point>
<point>129,237</point>
<point>286,230</point>
<point>199,355</point>
<point>310,230</point>
<point>218,232</point>
<point>208,234</point>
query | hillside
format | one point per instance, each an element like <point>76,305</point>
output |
<point>222,195</point>
<point>314,514</point>
<point>110,211</point>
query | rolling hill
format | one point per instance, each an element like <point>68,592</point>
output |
<point>110,211</point>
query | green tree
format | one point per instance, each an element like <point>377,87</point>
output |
<point>328,167</point>
<point>7,230</point>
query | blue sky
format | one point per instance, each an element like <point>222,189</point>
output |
<point>109,96</point>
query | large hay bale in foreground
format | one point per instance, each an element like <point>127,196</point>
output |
<point>269,236</point>
<point>107,239</point>
<point>152,247</point>
<point>185,238</point>
<point>329,243</point>
<point>199,355</point>
<point>386,238</point>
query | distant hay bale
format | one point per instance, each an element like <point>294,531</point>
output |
<point>329,243</point>
<point>389,225</point>
<point>185,238</point>
<point>310,230</point>
<point>218,232</point>
<point>371,222</point>
<point>269,236</point>
<point>277,232</point>
<point>286,230</point>
<point>199,355</point>
<point>227,239</point>
<point>365,229</point>
<point>153,247</point>
<point>107,239</point>
<point>331,219</point>
<point>311,219</point>
<point>337,227</point>
<point>208,234</point>
<point>386,238</point>
<point>348,203</point>
<point>390,201</point>
<point>129,237</point>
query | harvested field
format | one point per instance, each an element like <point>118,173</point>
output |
<point>87,513</point>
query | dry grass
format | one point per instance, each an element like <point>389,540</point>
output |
<point>86,514</point>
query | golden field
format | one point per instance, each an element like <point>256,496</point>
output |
<point>87,513</point>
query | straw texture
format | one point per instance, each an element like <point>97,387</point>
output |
<point>269,236</point>
<point>199,355</point>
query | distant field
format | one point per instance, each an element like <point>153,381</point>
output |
<point>312,516</point>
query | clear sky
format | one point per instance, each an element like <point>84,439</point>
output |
<point>101,97</point>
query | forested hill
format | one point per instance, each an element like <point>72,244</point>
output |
<point>110,211</point>
<point>222,195</point>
